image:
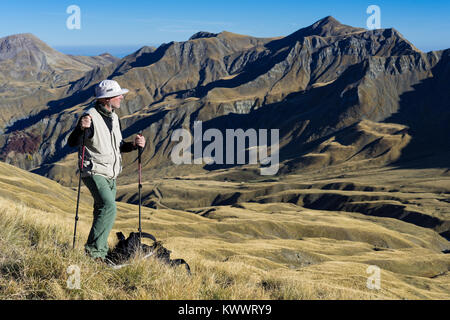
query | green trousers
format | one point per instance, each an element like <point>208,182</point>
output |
<point>103,191</point>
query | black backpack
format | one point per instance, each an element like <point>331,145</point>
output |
<point>127,248</point>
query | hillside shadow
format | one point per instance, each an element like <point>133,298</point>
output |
<point>300,115</point>
<point>54,107</point>
<point>426,111</point>
<point>149,58</point>
<point>249,73</point>
<point>280,115</point>
<point>143,123</point>
<point>144,60</point>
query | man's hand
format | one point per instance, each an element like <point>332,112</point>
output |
<point>85,122</point>
<point>139,141</point>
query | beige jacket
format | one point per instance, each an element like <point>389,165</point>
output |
<point>102,154</point>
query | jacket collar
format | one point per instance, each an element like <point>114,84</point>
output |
<point>103,111</point>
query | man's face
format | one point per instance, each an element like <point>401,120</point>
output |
<point>115,102</point>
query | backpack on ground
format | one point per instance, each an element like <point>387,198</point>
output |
<point>127,248</point>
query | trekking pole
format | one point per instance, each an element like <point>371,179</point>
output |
<point>79,187</point>
<point>140,187</point>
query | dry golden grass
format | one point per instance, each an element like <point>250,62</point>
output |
<point>251,251</point>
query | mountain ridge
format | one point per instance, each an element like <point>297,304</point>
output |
<point>323,69</point>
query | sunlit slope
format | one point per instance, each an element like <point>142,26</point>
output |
<point>279,250</point>
<point>416,196</point>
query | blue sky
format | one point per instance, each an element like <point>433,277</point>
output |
<point>122,25</point>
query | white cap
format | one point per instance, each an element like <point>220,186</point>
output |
<point>108,89</point>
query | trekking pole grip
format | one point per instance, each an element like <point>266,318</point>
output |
<point>140,149</point>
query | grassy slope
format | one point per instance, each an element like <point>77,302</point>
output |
<point>250,251</point>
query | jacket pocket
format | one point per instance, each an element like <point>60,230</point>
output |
<point>103,164</point>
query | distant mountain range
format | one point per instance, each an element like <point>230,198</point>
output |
<point>341,96</point>
<point>118,51</point>
<point>24,57</point>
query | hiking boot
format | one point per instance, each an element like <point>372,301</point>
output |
<point>99,260</point>
<point>104,261</point>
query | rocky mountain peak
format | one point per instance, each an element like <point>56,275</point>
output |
<point>20,37</point>
<point>328,27</point>
<point>327,21</point>
<point>12,45</point>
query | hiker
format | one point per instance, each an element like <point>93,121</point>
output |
<point>102,163</point>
